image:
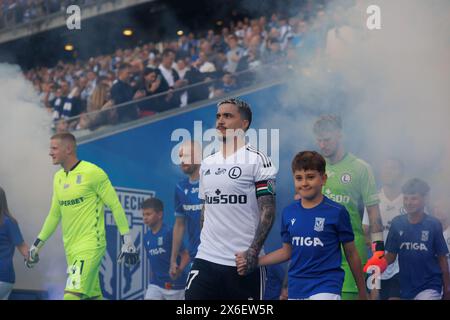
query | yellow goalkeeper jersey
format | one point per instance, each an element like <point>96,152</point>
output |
<point>79,197</point>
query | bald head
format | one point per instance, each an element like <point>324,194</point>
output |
<point>190,156</point>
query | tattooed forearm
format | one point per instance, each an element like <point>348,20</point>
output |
<point>266,206</point>
<point>202,216</point>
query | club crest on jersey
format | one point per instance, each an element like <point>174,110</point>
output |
<point>401,233</point>
<point>271,186</point>
<point>78,179</point>
<point>66,185</point>
<point>235,172</point>
<point>186,191</point>
<point>160,241</point>
<point>346,178</point>
<point>318,225</point>
<point>424,236</point>
<point>220,171</point>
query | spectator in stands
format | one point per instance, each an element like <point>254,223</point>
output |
<point>274,53</point>
<point>273,21</point>
<point>234,54</point>
<point>170,78</point>
<point>91,83</point>
<point>10,237</point>
<point>65,104</point>
<point>240,31</point>
<point>153,86</point>
<point>99,100</point>
<point>183,45</point>
<point>62,125</point>
<point>203,64</point>
<point>225,86</point>
<point>122,92</point>
<point>218,44</point>
<point>183,71</point>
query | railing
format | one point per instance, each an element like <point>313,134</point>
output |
<point>87,123</point>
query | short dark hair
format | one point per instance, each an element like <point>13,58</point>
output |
<point>327,123</point>
<point>167,52</point>
<point>148,70</point>
<point>416,185</point>
<point>308,160</point>
<point>243,107</point>
<point>66,137</point>
<point>123,66</point>
<point>153,203</point>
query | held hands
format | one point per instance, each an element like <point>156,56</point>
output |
<point>174,271</point>
<point>377,259</point>
<point>33,253</point>
<point>246,261</point>
<point>128,253</point>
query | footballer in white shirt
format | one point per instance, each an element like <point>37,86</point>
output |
<point>237,185</point>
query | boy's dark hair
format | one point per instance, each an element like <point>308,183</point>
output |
<point>243,107</point>
<point>309,160</point>
<point>416,185</point>
<point>327,123</point>
<point>153,203</point>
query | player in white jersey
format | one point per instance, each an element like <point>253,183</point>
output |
<point>391,205</point>
<point>237,186</point>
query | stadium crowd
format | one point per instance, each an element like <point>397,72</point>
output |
<point>218,62</point>
<point>156,77</point>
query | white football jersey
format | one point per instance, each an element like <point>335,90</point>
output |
<point>447,240</point>
<point>388,211</point>
<point>228,187</point>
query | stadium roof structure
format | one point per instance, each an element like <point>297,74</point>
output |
<point>58,19</point>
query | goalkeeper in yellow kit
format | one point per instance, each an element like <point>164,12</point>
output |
<point>80,191</point>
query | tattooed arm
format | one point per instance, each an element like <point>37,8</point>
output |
<point>266,205</point>
<point>202,216</point>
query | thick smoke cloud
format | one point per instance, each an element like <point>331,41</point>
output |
<point>390,86</point>
<point>26,175</point>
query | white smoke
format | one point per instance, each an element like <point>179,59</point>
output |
<point>395,85</point>
<point>26,174</point>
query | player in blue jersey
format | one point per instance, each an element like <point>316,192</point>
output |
<point>274,282</point>
<point>188,207</point>
<point>10,238</point>
<point>418,241</point>
<point>158,245</point>
<point>313,230</point>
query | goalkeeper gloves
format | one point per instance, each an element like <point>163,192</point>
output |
<point>378,258</point>
<point>33,253</point>
<point>128,253</point>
